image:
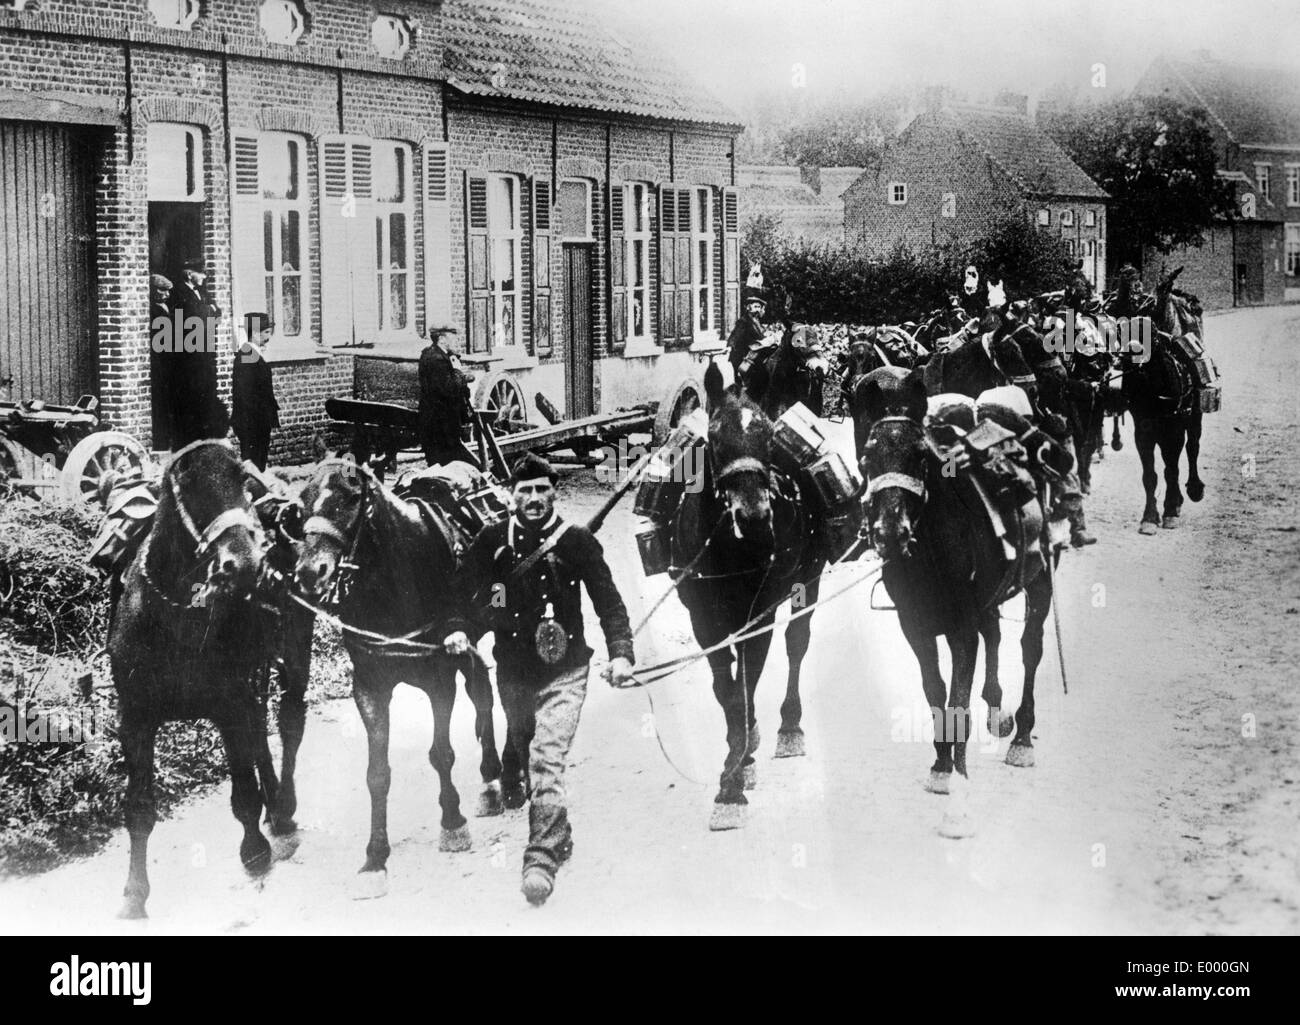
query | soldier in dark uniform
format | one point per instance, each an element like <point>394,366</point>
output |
<point>160,332</point>
<point>254,410</point>
<point>748,331</point>
<point>444,403</point>
<point>534,607</point>
<point>196,410</point>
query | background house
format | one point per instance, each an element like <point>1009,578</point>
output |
<point>809,201</point>
<point>957,167</point>
<point>565,199</point>
<point>1254,115</point>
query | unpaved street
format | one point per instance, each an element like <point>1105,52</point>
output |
<point>1164,799</point>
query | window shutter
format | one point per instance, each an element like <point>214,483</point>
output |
<point>437,235</point>
<point>729,243</point>
<point>246,232</point>
<point>618,269</point>
<point>348,290</point>
<point>674,266</point>
<point>541,270</point>
<point>477,262</point>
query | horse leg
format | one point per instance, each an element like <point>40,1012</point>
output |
<point>442,696</point>
<point>244,733</point>
<point>964,645</point>
<point>790,740</point>
<point>292,720</point>
<point>372,698</point>
<point>753,656</point>
<point>1000,723</point>
<point>1195,486</point>
<point>1038,603</point>
<point>729,804</point>
<point>926,649</point>
<point>1171,451</point>
<point>1145,440</point>
<point>136,735</point>
<point>478,685</point>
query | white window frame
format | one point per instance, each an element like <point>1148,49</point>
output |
<point>634,212</point>
<point>495,234</point>
<point>293,9</point>
<point>174,14</point>
<point>397,25</point>
<point>1293,184</point>
<point>704,240</point>
<point>166,139</point>
<point>1263,179</point>
<point>1291,250</point>
<point>1044,217</point>
<point>589,234</point>
<point>385,211</point>
<point>268,145</point>
<point>896,193</point>
<point>1090,218</point>
<point>1067,218</point>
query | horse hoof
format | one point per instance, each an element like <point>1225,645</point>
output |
<point>1003,726</point>
<point>453,841</point>
<point>750,776</point>
<point>256,856</point>
<point>537,886</point>
<point>489,801</point>
<point>957,824</point>
<point>789,744</point>
<point>513,797</point>
<point>1195,490</point>
<point>1021,756</point>
<point>370,885</point>
<point>1148,528</point>
<point>1169,522</point>
<point>939,782</point>
<point>727,816</point>
<point>285,847</point>
<point>133,911</point>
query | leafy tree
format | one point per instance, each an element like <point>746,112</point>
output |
<point>1156,158</point>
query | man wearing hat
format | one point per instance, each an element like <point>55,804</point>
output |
<point>748,331</point>
<point>444,402</point>
<point>196,410</point>
<point>254,411</point>
<point>520,579</point>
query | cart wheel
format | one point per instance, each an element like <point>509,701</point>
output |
<point>15,465</point>
<point>93,457</point>
<point>682,401</point>
<point>501,395</point>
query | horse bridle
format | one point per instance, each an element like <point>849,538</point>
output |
<point>206,537</point>
<point>348,546</point>
<point>895,479</point>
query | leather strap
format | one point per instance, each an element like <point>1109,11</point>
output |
<point>896,480</point>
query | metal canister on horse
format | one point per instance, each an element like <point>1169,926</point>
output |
<point>797,438</point>
<point>671,469</point>
<point>655,548</point>
<point>837,481</point>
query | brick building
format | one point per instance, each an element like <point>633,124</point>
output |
<point>958,167</point>
<point>1254,116</point>
<point>360,170</point>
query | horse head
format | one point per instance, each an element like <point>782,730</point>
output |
<point>893,455</point>
<point>740,450</point>
<point>334,500</point>
<point>204,491</point>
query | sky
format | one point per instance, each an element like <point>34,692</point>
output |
<point>742,48</point>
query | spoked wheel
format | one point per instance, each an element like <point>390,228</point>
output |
<point>94,457</point>
<point>682,401</point>
<point>501,395</point>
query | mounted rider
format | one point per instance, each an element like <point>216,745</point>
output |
<point>748,331</point>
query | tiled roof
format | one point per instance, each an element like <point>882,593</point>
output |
<point>551,52</point>
<point>1036,164</point>
<point>1256,104</point>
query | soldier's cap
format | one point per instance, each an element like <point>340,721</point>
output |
<point>531,466</point>
<point>159,283</point>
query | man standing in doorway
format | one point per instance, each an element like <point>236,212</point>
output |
<point>196,411</point>
<point>520,579</point>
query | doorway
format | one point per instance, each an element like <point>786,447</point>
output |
<point>175,235</point>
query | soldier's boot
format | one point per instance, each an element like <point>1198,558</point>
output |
<point>550,843</point>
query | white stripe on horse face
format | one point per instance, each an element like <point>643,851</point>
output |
<point>746,417</point>
<point>319,508</point>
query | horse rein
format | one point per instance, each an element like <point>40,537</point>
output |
<point>320,526</point>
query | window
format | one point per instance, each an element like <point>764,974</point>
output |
<point>282,161</point>
<point>1293,250</point>
<point>1262,176</point>
<point>948,208</point>
<point>1067,218</point>
<point>1090,218</point>
<point>703,241</point>
<point>179,14</point>
<point>175,163</point>
<point>390,35</point>
<point>505,240</point>
<point>1293,184</point>
<point>897,193</point>
<point>282,21</point>
<point>394,185</point>
<point>1044,218</point>
<point>575,210</point>
<point>637,214</point>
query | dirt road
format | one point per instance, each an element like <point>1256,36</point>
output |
<point>1164,799</point>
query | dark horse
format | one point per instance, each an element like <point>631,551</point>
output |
<point>944,570</point>
<point>187,640</point>
<point>742,544</point>
<point>791,372</point>
<point>391,569</point>
<point>1161,394</point>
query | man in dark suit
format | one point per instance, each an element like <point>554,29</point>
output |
<point>254,410</point>
<point>748,330</point>
<point>196,411</point>
<point>444,402</point>
<point>161,329</point>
